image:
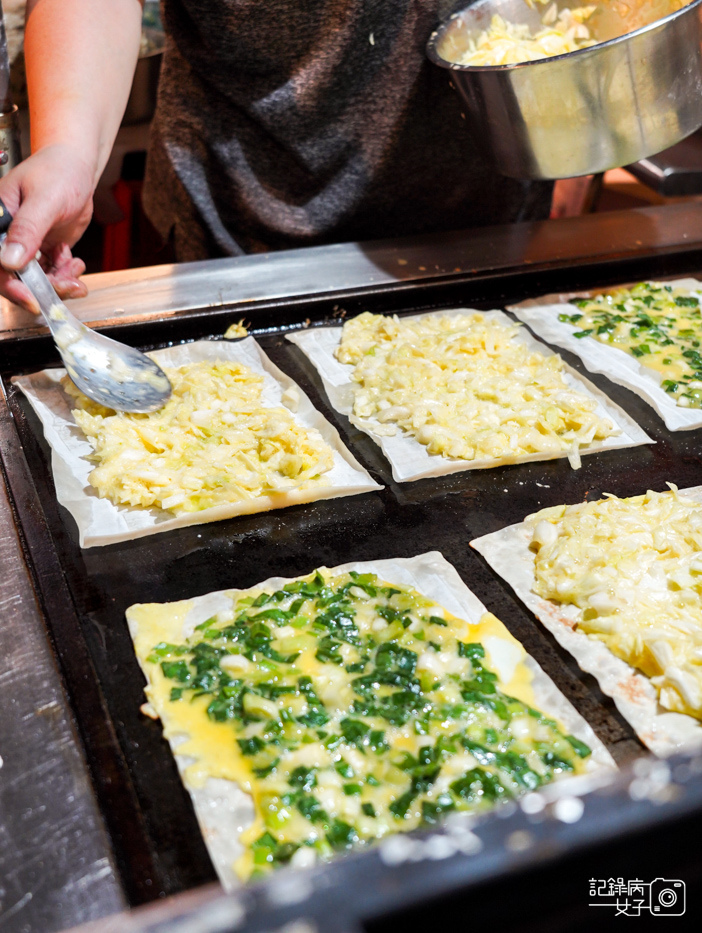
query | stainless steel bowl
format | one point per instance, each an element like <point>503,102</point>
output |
<point>588,111</point>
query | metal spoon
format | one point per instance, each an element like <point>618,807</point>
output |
<point>108,372</point>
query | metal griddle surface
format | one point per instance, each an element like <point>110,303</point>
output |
<point>157,842</point>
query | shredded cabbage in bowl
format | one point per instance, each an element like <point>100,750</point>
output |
<point>505,43</point>
<point>462,385</point>
<point>213,443</point>
<point>634,568</point>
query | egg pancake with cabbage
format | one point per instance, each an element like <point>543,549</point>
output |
<point>213,442</point>
<point>464,387</point>
<point>348,707</point>
<point>634,569</point>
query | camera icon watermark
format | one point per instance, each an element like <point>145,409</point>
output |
<point>662,897</point>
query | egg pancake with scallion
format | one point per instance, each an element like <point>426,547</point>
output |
<point>348,707</point>
<point>658,324</point>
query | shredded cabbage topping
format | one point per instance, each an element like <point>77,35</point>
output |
<point>634,568</point>
<point>507,43</point>
<point>236,330</point>
<point>462,385</point>
<point>213,443</point>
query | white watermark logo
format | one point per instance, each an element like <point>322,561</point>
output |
<point>662,897</point>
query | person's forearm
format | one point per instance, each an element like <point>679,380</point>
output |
<point>80,58</point>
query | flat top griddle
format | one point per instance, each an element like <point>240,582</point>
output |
<point>157,843</point>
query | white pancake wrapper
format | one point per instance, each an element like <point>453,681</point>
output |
<point>541,314</point>
<point>100,521</point>
<point>223,810</point>
<point>409,459</point>
<point>664,732</point>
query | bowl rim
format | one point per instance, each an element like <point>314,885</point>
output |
<point>438,33</point>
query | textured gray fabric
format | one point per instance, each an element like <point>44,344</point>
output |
<point>285,123</point>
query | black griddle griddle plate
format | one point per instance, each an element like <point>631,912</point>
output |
<point>157,842</point>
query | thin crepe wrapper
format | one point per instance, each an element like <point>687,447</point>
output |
<point>409,459</point>
<point>664,732</point>
<point>223,810</point>
<point>101,521</point>
<point>541,315</point>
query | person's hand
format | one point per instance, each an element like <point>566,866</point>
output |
<point>50,197</point>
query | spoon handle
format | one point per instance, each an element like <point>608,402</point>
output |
<point>33,276</point>
<point>115,375</point>
<point>5,217</point>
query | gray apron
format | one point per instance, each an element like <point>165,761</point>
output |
<point>285,123</point>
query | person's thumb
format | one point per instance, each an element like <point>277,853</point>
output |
<point>13,256</point>
<point>30,224</point>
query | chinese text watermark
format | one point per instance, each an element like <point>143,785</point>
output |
<point>662,897</point>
